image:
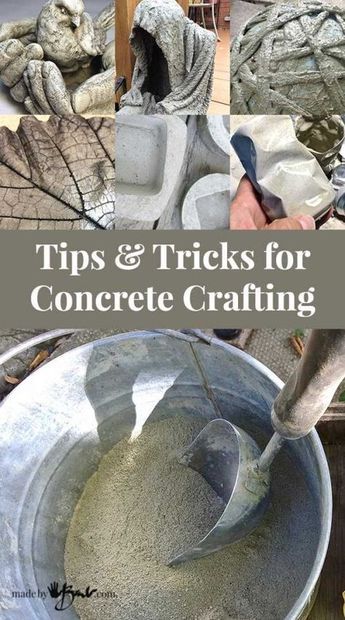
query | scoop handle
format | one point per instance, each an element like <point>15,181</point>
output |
<point>310,389</point>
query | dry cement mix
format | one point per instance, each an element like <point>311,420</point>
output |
<point>141,507</point>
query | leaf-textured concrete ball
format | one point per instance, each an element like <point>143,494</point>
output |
<point>290,58</point>
<point>60,62</point>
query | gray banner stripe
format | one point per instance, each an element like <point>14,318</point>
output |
<point>85,286</point>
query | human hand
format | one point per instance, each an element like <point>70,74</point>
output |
<point>14,59</point>
<point>22,29</point>
<point>96,93</point>
<point>246,213</point>
<point>47,92</point>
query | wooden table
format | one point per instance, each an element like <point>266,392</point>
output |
<point>120,89</point>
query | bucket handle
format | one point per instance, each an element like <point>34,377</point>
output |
<point>33,342</point>
<point>190,335</point>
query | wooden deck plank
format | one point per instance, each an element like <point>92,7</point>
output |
<point>221,92</point>
<point>218,108</point>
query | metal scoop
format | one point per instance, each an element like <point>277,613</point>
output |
<point>231,462</point>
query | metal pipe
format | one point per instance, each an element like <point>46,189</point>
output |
<point>270,452</point>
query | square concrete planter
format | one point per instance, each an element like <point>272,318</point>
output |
<point>159,159</point>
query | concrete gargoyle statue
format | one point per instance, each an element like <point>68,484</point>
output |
<point>61,62</point>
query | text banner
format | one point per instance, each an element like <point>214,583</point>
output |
<point>136,279</point>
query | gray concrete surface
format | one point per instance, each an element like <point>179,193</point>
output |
<point>16,9</point>
<point>206,205</point>
<point>150,162</point>
<point>11,10</point>
<point>159,159</point>
<point>240,13</point>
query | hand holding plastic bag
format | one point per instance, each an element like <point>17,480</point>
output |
<point>285,175</point>
<point>247,213</point>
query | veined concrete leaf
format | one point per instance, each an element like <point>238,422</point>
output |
<point>58,175</point>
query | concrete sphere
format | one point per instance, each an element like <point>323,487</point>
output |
<point>290,58</point>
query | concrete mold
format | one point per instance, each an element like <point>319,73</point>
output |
<point>207,204</point>
<point>159,159</point>
<point>150,155</point>
<point>217,134</point>
<point>141,171</point>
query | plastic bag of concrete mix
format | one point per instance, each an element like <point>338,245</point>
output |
<point>282,170</point>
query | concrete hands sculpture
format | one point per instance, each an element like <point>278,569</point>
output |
<point>60,62</point>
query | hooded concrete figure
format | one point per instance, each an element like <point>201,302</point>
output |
<point>174,66</point>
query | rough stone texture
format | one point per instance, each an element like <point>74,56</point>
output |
<point>273,348</point>
<point>58,174</point>
<point>174,61</point>
<point>290,59</point>
<point>241,12</point>
<point>36,55</point>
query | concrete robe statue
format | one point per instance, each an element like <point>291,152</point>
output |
<point>174,66</point>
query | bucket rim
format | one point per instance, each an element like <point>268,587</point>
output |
<point>324,475</point>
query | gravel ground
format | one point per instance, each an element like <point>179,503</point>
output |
<point>18,367</point>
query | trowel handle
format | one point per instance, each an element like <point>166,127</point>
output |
<point>310,389</point>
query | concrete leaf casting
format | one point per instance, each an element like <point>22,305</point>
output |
<point>60,62</point>
<point>174,66</point>
<point>59,174</point>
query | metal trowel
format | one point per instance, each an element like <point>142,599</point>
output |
<point>231,462</point>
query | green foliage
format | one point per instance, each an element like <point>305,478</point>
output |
<point>299,333</point>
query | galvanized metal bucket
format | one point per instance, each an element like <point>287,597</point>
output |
<point>56,426</point>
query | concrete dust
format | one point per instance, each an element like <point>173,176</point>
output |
<point>142,506</point>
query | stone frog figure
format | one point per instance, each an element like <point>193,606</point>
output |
<point>174,67</point>
<point>61,62</point>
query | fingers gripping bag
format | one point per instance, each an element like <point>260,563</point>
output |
<point>286,175</point>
